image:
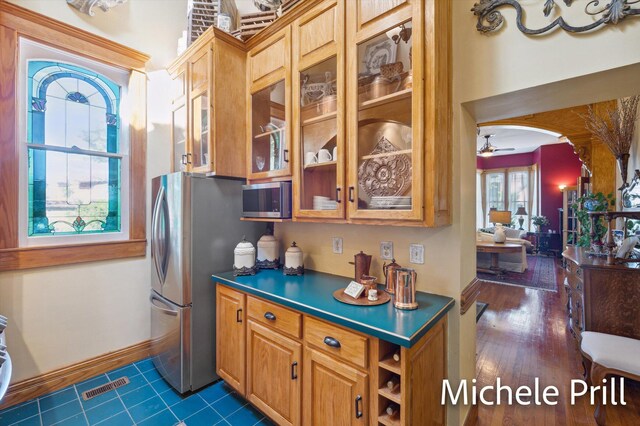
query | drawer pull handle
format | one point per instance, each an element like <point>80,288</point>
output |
<point>330,341</point>
<point>294,370</point>
<point>269,316</point>
<point>358,406</point>
<point>239,315</point>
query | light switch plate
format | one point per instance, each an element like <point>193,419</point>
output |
<point>386,250</point>
<point>337,245</point>
<point>416,253</point>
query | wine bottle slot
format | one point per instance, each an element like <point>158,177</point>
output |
<point>396,356</point>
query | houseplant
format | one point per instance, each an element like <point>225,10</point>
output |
<point>539,222</point>
<point>583,206</point>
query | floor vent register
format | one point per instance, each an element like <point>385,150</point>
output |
<point>102,389</point>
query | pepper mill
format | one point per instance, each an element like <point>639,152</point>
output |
<point>390,275</point>
<point>362,264</point>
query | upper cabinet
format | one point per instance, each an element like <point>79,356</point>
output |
<point>269,108</point>
<point>208,124</point>
<point>318,112</point>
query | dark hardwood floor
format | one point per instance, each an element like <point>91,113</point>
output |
<point>523,335</point>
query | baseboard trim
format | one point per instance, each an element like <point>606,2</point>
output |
<point>469,295</point>
<point>48,382</point>
<point>472,416</point>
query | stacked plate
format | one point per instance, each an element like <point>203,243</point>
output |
<point>324,203</point>
<point>391,202</point>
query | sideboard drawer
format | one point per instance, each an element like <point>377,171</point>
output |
<point>336,341</point>
<point>274,316</point>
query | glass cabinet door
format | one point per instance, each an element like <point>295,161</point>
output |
<point>386,164</point>
<point>269,150</point>
<point>319,142</point>
<point>200,137</point>
<point>179,121</point>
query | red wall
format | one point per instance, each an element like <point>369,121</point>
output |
<point>558,165</point>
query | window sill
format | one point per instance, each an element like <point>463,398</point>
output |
<point>40,257</point>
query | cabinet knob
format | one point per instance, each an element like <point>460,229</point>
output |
<point>270,316</point>
<point>330,341</point>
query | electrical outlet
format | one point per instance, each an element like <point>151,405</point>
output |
<point>337,245</point>
<point>416,253</point>
<point>386,250</point>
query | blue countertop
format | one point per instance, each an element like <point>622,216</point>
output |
<point>312,293</point>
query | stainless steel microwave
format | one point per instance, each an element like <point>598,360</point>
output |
<point>271,200</point>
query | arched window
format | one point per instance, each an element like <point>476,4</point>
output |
<point>73,149</point>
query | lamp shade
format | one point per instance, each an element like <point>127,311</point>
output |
<point>521,211</point>
<point>500,216</point>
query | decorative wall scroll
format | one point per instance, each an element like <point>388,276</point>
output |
<point>86,6</point>
<point>606,12</point>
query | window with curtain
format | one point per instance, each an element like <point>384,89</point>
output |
<point>74,156</point>
<point>508,189</point>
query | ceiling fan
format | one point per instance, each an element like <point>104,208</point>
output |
<point>487,149</point>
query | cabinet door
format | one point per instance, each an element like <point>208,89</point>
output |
<point>269,112</point>
<point>274,373</point>
<point>385,115</point>
<point>230,337</point>
<point>179,114</point>
<point>334,394</point>
<point>318,111</point>
<point>200,153</point>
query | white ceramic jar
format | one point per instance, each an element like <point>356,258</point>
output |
<point>244,258</point>
<point>499,235</point>
<point>293,260</point>
<point>268,252</point>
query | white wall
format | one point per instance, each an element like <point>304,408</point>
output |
<point>62,315</point>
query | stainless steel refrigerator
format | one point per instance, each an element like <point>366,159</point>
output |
<point>194,228</point>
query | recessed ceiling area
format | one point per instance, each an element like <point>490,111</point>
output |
<point>246,7</point>
<point>522,139</point>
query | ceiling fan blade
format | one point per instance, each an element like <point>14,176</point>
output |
<point>504,149</point>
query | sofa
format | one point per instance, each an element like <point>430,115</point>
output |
<point>515,262</point>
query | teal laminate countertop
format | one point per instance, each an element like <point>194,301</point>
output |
<point>312,293</point>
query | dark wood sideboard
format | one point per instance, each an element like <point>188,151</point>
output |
<point>603,298</point>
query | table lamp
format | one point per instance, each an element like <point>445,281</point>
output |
<point>521,212</point>
<point>499,217</point>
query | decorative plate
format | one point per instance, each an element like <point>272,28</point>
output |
<point>385,176</point>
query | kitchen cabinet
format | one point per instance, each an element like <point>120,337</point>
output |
<point>274,373</point>
<point>269,108</point>
<point>301,369</point>
<point>335,393</point>
<point>318,112</point>
<point>230,337</point>
<point>208,104</point>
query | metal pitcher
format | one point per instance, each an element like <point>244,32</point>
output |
<point>405,290</point>
<point>390,275</point>
<point>362,264</point>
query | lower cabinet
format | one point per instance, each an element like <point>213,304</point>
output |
<point>274,374</point>
<point>230,337</point>
<point>335,394</point>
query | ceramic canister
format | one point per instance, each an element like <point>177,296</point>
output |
<point>293,260</point>
<point>268,252</point>
<point>244,258</point>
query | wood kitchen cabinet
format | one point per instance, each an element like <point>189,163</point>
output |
<point>304,370</point>
<point>230,337</point>
<point>274,373</point>
<point>208,123</point>
<point>269,107</point>
<point>335,393</point>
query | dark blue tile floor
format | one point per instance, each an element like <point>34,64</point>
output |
<point>147,400</point>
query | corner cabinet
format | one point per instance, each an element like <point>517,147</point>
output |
<point>301,370</point>
<point>269,108</point>
<point>207,124</point>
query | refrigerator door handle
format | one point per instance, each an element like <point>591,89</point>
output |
<point>153,299</point>
<point>165,240</point>
<point>155,237</point>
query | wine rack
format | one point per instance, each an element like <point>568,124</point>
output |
<point>390,384</point>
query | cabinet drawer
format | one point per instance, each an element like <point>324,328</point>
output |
<point>337,341</point>
<point>274,316</point>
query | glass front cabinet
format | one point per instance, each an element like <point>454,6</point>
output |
<point>207,106</point>
<point>318,112</point>
<point>268,115</point>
